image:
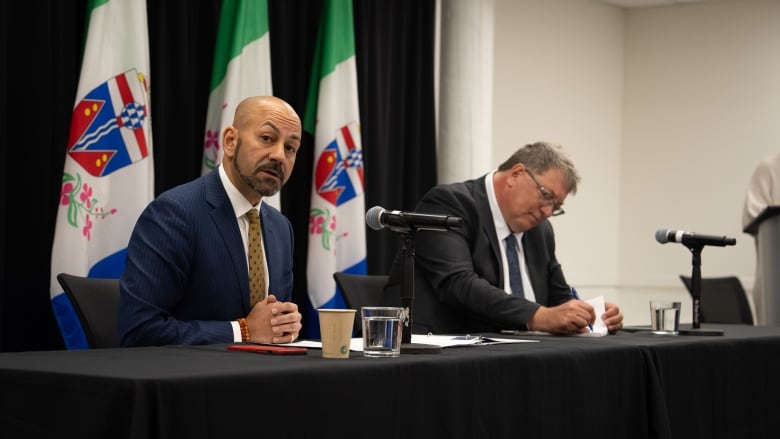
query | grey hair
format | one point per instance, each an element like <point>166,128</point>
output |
<point>539,157</point>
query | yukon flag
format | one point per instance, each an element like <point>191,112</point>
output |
<point>108,177</point>
<point>242,68</point>
<point>337,229</point>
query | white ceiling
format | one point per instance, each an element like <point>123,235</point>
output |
<point>630,4</point>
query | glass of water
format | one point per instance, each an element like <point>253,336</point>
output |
<point>665,317</point>
<point>381,331</point>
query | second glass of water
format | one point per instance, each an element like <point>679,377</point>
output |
<point>664,317</point>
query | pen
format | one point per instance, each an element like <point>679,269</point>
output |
<point>576,296</point>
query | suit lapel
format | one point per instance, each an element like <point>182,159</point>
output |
<point>486,220</point>
<point>225,221</point>
<point>537,267</point>
<point>270,241</point>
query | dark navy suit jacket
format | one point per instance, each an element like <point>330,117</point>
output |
<point>186,275</point>
<point>459,285</point>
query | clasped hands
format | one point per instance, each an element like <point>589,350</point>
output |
<point>271,321</point>
<point>574,317</point>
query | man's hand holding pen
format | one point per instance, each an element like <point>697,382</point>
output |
<point>572,317</point>
<point>576,296</point>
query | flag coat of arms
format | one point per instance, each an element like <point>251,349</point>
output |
<point>108,175</point>
<point>337,231</point>
<point>242,68</point>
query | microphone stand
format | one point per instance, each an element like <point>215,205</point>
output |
<point>696,294</point>
<point>407,297</point>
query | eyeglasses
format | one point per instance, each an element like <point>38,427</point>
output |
<point>548,198</point>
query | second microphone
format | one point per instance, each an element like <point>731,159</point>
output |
<point>378,218</point>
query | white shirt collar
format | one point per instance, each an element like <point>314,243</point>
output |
<point>240,204</point>
<point>502,229</point>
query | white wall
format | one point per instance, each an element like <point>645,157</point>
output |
<point>664,110</point>
<point>559,78</point>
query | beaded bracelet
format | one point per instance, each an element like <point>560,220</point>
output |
<point>244,329</point>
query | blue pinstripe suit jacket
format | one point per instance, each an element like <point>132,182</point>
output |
<point>186,275</point>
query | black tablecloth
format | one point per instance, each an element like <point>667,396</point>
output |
<point>629,385</point>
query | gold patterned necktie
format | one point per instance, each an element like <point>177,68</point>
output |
<point>256,266</point>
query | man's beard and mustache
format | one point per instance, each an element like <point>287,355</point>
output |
<point>265,186</point>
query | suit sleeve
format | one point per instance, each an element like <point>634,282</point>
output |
<point>157,274</point>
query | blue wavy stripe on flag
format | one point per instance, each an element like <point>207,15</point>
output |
<point>312,323</point>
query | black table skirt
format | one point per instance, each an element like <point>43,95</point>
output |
<point>629,385</point>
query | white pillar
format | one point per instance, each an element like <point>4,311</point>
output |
<point>464,84</point>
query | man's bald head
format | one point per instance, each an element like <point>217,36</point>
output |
<point>249,106</point>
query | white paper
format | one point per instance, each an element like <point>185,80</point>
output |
<point>599,327</point>
<point>444,341</point>
<point>447,341</point>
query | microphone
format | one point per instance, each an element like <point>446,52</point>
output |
<point>689,238</point>
<point>378,218</point>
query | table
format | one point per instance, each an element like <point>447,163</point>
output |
<point>718,386</point>
<point>633,385</point>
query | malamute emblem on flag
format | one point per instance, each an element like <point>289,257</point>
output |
<point>107,127</point>
<point>338,175</point>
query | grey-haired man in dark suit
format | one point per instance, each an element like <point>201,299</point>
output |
<point>462,277</point>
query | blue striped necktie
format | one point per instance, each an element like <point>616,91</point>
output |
<point>515,278</point>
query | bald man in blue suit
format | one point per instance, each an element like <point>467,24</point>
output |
<point>186,279</point>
